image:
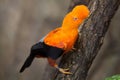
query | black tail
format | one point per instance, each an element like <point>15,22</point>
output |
<point>27,62</point>
<point>37,49</point>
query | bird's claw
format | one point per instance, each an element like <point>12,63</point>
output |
<point>64,71</point>
<point>73,48</point>
<point>67,69</point>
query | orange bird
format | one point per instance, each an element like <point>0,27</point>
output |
<point>60,40</point>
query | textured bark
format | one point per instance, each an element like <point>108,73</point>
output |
<point>90,39</point>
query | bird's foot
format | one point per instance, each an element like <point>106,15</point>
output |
<point>73,48</point>
<point>65,71</point>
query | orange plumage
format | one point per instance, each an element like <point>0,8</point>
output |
<point>60,40</point>
<point>64,37</point>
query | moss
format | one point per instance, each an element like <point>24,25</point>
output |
<point>115,77</point>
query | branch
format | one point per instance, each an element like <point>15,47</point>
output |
<point>89,43</point>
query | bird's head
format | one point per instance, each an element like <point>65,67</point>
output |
<point>74,18</point>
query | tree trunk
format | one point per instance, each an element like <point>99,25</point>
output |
<point>90,39</point>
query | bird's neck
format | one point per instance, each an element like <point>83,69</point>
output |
<point>69,28</point>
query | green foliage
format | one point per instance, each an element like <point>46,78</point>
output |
<point>115,77</point>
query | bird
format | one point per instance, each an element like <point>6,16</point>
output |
<point>60,40</point>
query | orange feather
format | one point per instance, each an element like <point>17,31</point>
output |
<point>65,36</point>
<point>60,40</point>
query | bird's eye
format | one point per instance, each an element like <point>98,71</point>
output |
<point>75,18</point>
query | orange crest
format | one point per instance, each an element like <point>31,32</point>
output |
<point>74,18</point>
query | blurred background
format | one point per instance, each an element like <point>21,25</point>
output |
<point>24,22</point>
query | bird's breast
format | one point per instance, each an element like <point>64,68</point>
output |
<point>64,40</point>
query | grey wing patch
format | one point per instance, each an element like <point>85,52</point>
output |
<point>41,40</point>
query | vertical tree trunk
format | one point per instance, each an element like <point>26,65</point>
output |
<point>90,39</point>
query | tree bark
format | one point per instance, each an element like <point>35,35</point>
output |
<point>90,39</point>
